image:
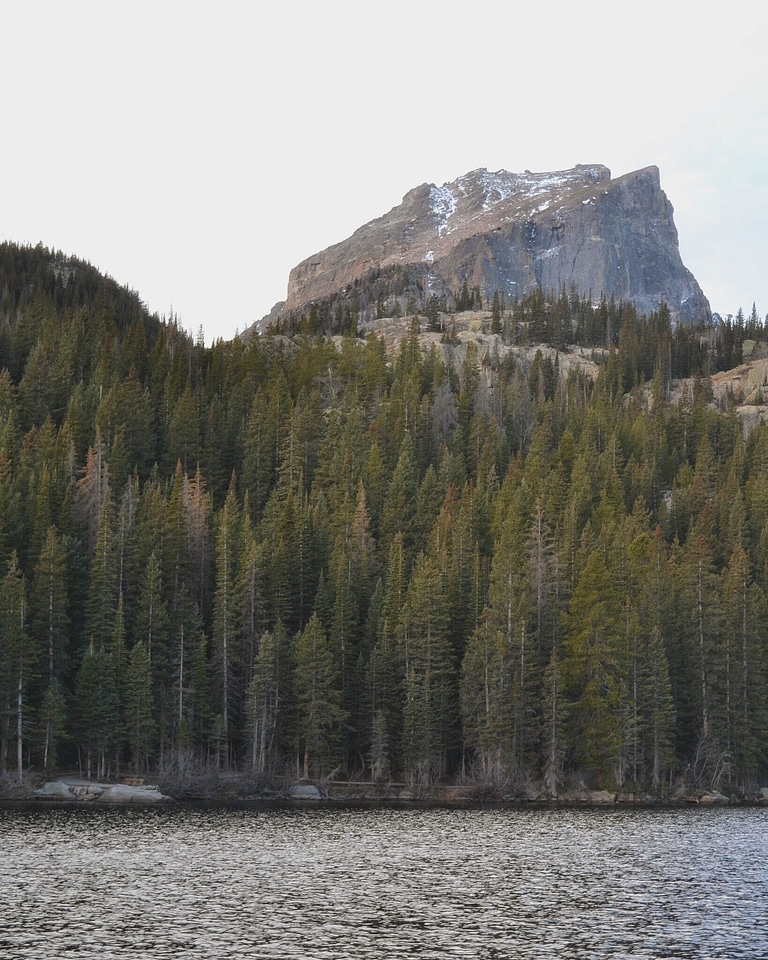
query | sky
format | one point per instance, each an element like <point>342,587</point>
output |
<point>197,152</point>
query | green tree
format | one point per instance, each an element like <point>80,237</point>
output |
<point>50,606</point>
<point>92,493</point>
<point>398,512</point>
<point>594,670</point>
<point>52,724</point>
<point>153,630</point>
<point>139,719</point>
<point>486,703</point>
<point>554,724</point>
<point>646,615</point>
<point>127,409</point>
<point>265,436</point>
<point>319,713</point>
<point>268,694</point>
<point>504,646</point>
<point>184,444</point>
<point>225,609</point>
<point>701,665</point>
<point>496,314</point>
<point>97,710</point>
<point>102,596</point>
<point>428,674</point>
<point>746,690</point>
<point>18,656</point>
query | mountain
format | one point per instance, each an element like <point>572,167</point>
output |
<point>577,229</point>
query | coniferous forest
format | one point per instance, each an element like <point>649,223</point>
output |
<point>301,554</point>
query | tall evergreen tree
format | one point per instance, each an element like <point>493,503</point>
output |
<point>319,712</point>
<point>268,696</point>
<point>595,670</point>
<point>429,674</point>
<point>225,611</point>
<point>18,656</point>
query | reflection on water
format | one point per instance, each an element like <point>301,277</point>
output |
<point>375,883</point>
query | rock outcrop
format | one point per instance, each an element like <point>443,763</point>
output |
<point>575,229</point>
<point>84,791</point>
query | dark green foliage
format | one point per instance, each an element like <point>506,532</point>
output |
<point>301,555</point>
<point>319,712</point>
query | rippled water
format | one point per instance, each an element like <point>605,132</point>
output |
<point>375,883</point>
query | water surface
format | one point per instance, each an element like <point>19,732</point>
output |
<point>378,883</point>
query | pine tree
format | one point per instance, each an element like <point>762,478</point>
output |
<point>153,630</point>
<point>746,690</point>
<point>554,724</point>
<point>398,512</point>
<point>199,509</point>
<point>225,610</point>
<point>184,445</point>
<point>496,314</point>
<point>251,595</point>
<point>594,670</point>
<point>648,679</point>
<point>701,668</point>
<point>265,436</point>
<point>92,493</point>
<point>52,724</point>
<point>428,674</point>
<point>49,605</point>
<point>176,544</point>
<point>507,642</point>
<point>18,656</point>
<point>102,597</point>
<point>139,719</point>
<point>268,695</point>
<point>486,704</point>
<point>383,675</point>
<point>97,710</point>
<point>319,712</point>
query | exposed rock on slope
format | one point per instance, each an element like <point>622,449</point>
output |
<point>513,233</point>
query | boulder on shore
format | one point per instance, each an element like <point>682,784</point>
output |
<point>84,791</point>
<point>601,797</point>
<point>713,797</point>
<point>304,791</point>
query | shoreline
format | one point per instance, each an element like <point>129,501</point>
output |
<point>263,803</point>
<point>71,791</point>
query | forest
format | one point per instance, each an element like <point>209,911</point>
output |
<point>301,554</point>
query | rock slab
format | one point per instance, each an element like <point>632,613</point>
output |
<point>101,793</point>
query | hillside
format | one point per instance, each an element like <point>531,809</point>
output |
<point>438,547</point>
<point>743,387</point>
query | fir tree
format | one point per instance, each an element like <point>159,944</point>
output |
<point>319,712</point>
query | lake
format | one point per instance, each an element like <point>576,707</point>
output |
<point>318,882</point>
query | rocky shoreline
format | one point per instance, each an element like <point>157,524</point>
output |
<point>233,789</point>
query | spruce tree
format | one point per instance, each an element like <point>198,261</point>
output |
<point>595,671</point>
<point>319,711</point>
<point>225,608</point>
<point>18,656</point>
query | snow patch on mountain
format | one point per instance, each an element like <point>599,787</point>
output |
<point>443,205</point>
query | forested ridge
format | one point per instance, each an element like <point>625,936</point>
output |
<point>303,556</point>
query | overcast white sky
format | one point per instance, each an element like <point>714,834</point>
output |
<point>197,152</point>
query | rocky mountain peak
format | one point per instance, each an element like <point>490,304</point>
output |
<point>513,232</point>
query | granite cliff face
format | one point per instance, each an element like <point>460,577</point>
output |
<point>512,233</point>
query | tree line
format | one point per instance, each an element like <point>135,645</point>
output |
<point>295,557</point>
